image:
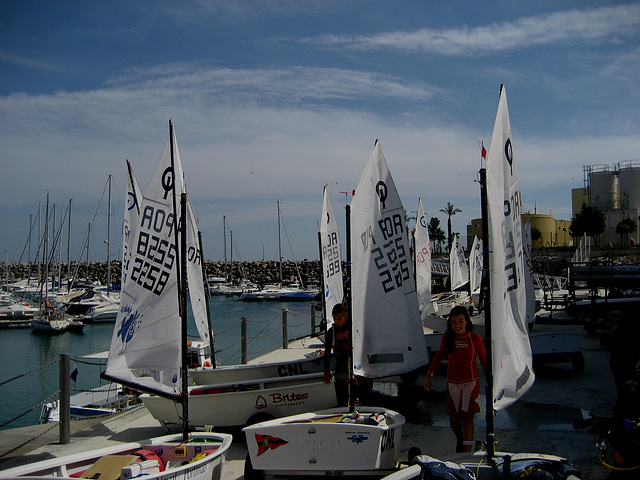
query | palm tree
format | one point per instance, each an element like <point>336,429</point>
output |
<point>450,210</point>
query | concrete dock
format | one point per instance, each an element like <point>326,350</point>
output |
<point>540,422</point>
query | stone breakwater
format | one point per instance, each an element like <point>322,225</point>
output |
<point>261,272</point>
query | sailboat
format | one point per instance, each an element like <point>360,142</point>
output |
<point>509,358</point>
<point>149,350</point>
<point>475,270</point>
<point>386,338</point>
<point>442,303</point>
<point>292,293</point>
<point>423,261</point>
<point>333,286</point>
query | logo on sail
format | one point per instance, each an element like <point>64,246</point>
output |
<point>129,325</point>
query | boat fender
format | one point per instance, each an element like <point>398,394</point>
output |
<point>145,454</point>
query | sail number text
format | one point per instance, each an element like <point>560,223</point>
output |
<point>390,257</point>
<point>155,254</point>
<point>331,255</point>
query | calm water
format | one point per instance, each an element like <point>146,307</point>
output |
<point>22,351</point>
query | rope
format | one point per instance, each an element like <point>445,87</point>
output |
<point>253,337</point>
<point>218,332</point>
<point>30,371</point>
<point>57,392</point>
<point>619,469</point>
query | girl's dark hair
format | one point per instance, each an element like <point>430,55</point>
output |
<point>450,334</point>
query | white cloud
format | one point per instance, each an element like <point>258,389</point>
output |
<point>606,24</point>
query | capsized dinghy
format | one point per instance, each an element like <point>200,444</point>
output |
<point>169,457</point>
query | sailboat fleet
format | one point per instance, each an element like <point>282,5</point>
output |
<point>388,296</point>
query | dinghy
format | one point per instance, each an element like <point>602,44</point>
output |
<point>386,339</point>
<point>200,457</point>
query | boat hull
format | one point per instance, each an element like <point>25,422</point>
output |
<point>49,326</point>
<point>168,448</point>
<point>239,373</point>
<point>321,442</point>
<point>241,403</point>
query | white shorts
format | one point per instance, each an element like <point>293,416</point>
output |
<point>463,396</point>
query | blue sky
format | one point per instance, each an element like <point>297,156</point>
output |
<point>273,99</point>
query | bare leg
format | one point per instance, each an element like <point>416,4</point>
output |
<point>455,423</point>
<point>466,420</point>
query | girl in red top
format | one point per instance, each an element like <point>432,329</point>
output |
<point>462,346</point>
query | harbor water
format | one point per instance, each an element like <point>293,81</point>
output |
<point>32,357</point>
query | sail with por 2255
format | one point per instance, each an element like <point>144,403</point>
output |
<point>145,350</point>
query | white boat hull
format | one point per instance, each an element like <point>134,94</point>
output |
<point>321,442</point>
<point>169,450</point>
<point>240,403</point>
<point>239,373</point>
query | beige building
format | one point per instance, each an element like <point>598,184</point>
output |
<point>554,233</point>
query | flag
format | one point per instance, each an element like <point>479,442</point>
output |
<point>484,152</point>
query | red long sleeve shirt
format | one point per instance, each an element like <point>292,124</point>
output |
<point>462,361</point>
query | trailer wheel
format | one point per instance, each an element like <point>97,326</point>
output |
<point>409,378</point>
<point>249,472</point>
<point>259,417</point>
<point>577,361</point>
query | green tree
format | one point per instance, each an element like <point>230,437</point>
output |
<point>536,234</point>
<point>436,234</point>
<point>450,210</point>
<point>590,221</point>
<point>625,227</point>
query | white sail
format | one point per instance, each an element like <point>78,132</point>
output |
<point>423,261</point>
<point>475,265</point>
<point>527,250</point>
<point>331,261</point>
<point>145,347</point>
<point>458,268</point>
<point>386,326</point>
<point>131,211</point>
<point>511,351</point>
<point>196,281</point>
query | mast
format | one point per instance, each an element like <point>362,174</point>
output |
<point>324,283</point>
<point>485,287</point>
<point>69,250</point>
<point>207,296</point>
<point>279,245</point>
<point>349,310</point>
<point>181,266</point>
<point>224,242</point>
<point>109,240</point>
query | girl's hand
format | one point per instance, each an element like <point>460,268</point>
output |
<point>428,383</point>
<point>326,377</point>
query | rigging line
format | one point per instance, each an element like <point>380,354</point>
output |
<point>291,248</point>
<point>85,244</point>
<point>31,225</point>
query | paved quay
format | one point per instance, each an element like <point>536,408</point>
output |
<point>540,422</point>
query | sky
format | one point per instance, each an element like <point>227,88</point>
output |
<point>274,99</point>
